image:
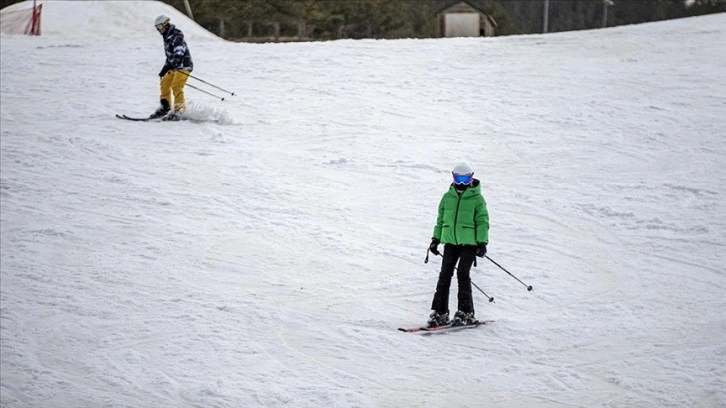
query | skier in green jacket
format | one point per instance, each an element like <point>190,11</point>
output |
<point>463,227</point>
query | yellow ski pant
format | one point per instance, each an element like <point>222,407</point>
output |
<point>173,84</point>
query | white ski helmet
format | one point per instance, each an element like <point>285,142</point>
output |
<point>463,174</point>
<point>161,22</point>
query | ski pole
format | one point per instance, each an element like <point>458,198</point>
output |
<point>491,299</point>
<point>212,85</point>
<point>529,288</point>
<point>202,90</point>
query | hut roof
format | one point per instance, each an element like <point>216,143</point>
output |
<point>454,3</point>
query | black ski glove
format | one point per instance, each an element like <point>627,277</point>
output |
<point>434,247</point>
<point>481,249</point>
<point>164,71</point>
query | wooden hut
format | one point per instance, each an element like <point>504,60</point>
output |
<point>464,19</point>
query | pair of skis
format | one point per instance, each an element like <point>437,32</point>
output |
<point>137,119</point>
<point>161,120</point>
<point>444,329</point>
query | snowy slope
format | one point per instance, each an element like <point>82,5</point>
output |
<point>266,260</point>
<point>109,20</point>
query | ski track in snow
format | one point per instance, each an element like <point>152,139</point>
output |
<point>267,259</point>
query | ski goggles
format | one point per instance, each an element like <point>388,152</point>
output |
<point>160,26</point>
<point>463,178</point>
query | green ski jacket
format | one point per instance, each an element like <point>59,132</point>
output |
<point>463,218</point>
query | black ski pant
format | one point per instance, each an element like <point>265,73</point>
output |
<point>464,254</point>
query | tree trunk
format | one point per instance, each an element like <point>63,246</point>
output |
<point>301,33</point>
<point>339,31</point>
<point>249,28</point>
<point>221,27</point>
<point>276,29</point>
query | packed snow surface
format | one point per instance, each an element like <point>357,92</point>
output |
<point>264,254</point>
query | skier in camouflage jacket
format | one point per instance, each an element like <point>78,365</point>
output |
<point>175,72</point>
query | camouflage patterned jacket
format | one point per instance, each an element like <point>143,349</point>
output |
<point>177,52</point>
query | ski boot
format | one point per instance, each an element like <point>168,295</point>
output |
<point>437,319</point>
<point>463,319</point>
<point>173,115</point>
<point>161,111</point>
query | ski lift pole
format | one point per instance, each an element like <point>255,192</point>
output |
<point>208,93</point>
<point>205,82</point>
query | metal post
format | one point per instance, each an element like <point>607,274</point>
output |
<point>189,9</point>
<point>546,16</point>
<point>34,20</point>
<point>605,4</point>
